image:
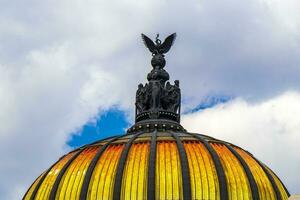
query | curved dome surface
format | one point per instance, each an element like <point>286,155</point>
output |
<point>158,165</point>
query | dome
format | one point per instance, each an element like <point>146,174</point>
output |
<point>158,165</point>
<point>157,158</point>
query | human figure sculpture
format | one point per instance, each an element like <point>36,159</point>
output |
<point>140,98</point>
<point>176,95</point>
<point>156,91</point>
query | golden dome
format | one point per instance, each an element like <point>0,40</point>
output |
<point>158,158</point>
<point>158,165</point>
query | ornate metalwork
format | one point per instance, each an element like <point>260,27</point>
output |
<point>158,99</point>
<point>158,47</point>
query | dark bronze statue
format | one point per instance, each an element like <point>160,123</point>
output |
<point>172,97</point>
<point>158,98</point>
<point>156,93</point>
<point>140,98</point>
<point>158,47</point>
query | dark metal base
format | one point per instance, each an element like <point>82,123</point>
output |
<point>159,125</point>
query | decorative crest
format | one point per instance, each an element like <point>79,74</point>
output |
<point>158,47</point>
<point>158,101</point>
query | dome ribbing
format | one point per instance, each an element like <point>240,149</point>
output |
<point>158,165</point>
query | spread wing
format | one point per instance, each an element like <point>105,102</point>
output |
<point>148,43</point>
<point>166,45</point>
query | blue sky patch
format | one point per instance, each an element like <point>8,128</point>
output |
<point>111,123</point>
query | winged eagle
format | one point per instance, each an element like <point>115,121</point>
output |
<point>158,47</point>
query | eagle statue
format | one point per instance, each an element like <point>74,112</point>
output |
<point>158,47</point>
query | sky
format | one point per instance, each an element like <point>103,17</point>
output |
<point>69,71</point>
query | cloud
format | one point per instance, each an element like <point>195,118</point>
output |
<point>42,102</point>
<point>63,62</point>
<point>269,130</point>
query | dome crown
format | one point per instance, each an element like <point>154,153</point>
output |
<point>158,99</point>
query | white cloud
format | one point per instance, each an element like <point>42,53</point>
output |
<point>269,130</point>
<point>61,62</point>
<point>42,102</point>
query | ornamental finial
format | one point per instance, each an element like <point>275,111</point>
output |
<point>158,100</point>
<point>158,49</point>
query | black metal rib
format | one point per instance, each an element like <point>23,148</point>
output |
<point>286,190</point>
<point>37,187</point>
<point>186,182</point>
<point>61,173</point>
<point>218,166</point>
<point>30,187</point>
<point>121,166</point>
<point>270,177</point>
<point>253,185</point>
<point>151,168</point>
<point>92,165</point>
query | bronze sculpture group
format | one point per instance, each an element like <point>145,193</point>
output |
<point>159,95</point>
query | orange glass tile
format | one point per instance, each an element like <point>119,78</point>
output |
<point>176,173</point>
<point>264,185</point>
<point>46,186</point>
<point>128,179</point>
<point>32,187</point>
<point>101,185</point>
<point>237,183</point>
<point>168,171</point>
<point>284,195</point>
<point>143,171</point>
<point>204,179</point>
<point>135,174</point>
<point>71,182</point>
